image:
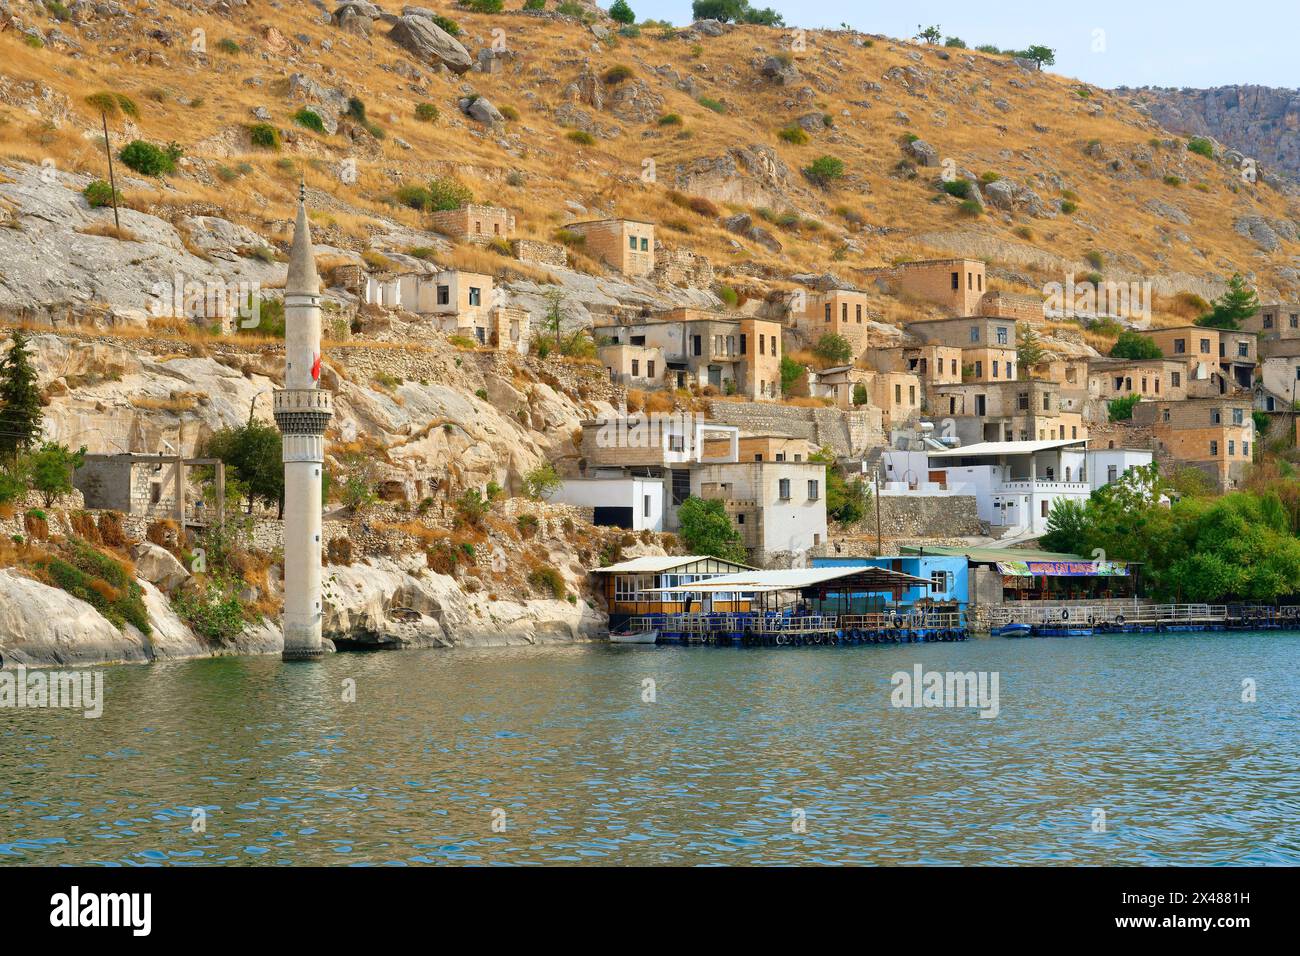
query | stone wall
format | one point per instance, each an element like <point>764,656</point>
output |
<point>917,516</point>
<point>544,253</point>
<point>1122,434</point>
<point>847,433</point>
<point>682,267</point>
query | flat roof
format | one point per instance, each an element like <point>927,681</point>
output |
<point>592,222</point>
<point>1005,448</point>
<point>656,563</point>
<point>794,579</point>
<point>992,555</point>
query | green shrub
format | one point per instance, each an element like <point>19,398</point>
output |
<point>970,207</point>
<point>728,295</point>
<point>670,119</point>
<point>534,4</point>
<point>100,193</point>
<point>957,187</point>
<point>148,159</point>
<point>311,120</point>
<point>1201,146</point>
<point>216,612</point>
<point>793,134</point>
<point>447,192</point>
<point>508,112</point>
<point>448,25</point>
<point>1095,259</point>
<point>1069,206</point>
<point>711,104</point>
<point>482,6</point>
<point>1172,180</point>
<point>426,112</point>
<point>617,74</point>
<point>102,582</point>
<point>581,137</point>
<point>990,177</point>
<point>548,580</point>
<point>825,170</point>
<point>833,348</point>
<point>266,136</point>
<point>227,45</point>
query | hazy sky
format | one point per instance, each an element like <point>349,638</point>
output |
<point>1143,43</point>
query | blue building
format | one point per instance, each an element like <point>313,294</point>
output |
<point>947,575</point>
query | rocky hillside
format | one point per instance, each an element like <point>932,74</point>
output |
<point>1259,121</point>
<point>708,130</point>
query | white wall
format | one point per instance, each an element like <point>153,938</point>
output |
<point>639,494</point>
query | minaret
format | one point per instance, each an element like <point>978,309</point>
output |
<point>302,411</point>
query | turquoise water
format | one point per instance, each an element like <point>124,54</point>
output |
<point>1149,729</point>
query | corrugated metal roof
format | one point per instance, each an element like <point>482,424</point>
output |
<point>793,579</point>
<point>993,555</point>
<point>655,563</point>
<point>1005,448</point>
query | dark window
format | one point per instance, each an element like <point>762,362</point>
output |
<point>444,295</point>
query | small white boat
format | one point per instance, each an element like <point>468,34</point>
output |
<point>634,637</point>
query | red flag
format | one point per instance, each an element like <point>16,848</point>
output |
<point>315,369</point>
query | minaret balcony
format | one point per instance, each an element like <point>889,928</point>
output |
<point>302,411</point>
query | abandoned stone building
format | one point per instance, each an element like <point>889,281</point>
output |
<point>627,245</point>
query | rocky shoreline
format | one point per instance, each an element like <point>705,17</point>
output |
<point>383,605</point>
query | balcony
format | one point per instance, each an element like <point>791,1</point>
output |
<point>302,411</point>
<point>1043,486</point>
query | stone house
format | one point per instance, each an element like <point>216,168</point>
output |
<point>779,508</point>
<point>474,223</point>
<point>627,245</point>
<point>1278,320</point>
<point>1028,410</point>
<point>763,448</point>
<point>988,345</point>
<point>842,312</point>
<point>956,284</point>
<point>635,366</point>
<point>1205,351</point>
<point>897,394</point>
<point>1152,379</point>
<point>1212,434</point>
<point>733,355</point>
<point>1278,388</point>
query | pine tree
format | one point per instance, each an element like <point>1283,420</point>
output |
<point>1237,303</point>
<point>20,401</point>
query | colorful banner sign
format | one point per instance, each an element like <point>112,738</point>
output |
<point>1063,569</point>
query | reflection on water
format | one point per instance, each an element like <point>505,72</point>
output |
<point>1150,729</point>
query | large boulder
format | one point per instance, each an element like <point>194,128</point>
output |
<point>158,566</point>
<point>481,109</point>
<point>780,69</point>
<point>427,41</point>
<point>923,152</point>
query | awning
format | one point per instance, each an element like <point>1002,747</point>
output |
<point>1063,569</point>
<point>859,577</point>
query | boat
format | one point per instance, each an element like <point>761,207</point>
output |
<point>634,637</point>
<point>1013,629</point>
<point>1062,630</point>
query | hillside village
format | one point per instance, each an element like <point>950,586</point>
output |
<point>859,297</point>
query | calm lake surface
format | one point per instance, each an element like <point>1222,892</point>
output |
<point>1150,729</point>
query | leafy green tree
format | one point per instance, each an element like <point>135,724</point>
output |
<point>542,482</point>
<point>1041,55</point>
<point>1067,527</point>
<point>50,469</point>
<point>791,371</point>
<point>706,528</point>
<point>620,12</point>
<point>735,10</point>
<point>447,192</point>
<point>833,348</point>
<point>1121,409</point>
<point>931,34</point>
<point>860,396</point>
<point>1029,349</point>
<point>1135,345</point>
<point>20,401</point>
<point>1238,302</point>
<point>253,453</point>
<point>847,499</point>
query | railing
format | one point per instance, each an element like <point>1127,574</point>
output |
<point>758,623</point>
<point>1032,612</point>
<point>914,618</point>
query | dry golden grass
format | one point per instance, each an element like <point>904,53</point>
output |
<point>203,105</point>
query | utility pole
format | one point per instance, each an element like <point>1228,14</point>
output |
<point>112,180</point>
<point>879,549</point>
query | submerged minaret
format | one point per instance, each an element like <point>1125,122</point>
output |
<point>302,411</point>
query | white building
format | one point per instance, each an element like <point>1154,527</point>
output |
<point>632,502</point>
<point>1017,483</point>
<point>1105,465</point>
<point>779,507</point>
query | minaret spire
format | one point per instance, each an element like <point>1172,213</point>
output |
<point>302,412</point>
